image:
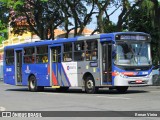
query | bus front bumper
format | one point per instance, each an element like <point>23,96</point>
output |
<point>132,81</point>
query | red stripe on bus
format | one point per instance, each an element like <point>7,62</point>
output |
<point>54,79</point>
<point>114,73</point>
<point>48,66</point>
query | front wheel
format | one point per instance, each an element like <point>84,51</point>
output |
<point>33,85</point>
<point>90,85</point>
<point>122,89</point>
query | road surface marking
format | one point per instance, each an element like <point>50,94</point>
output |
<point>2,108</point>
<point>154,91</point>
<point>114,97</point>
<point>51,93</point>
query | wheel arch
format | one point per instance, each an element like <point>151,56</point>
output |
<point>34,88</point>
<point>30,76</point>
<point>86,75</point>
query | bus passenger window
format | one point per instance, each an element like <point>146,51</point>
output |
<point>94,55</point>
<point>92,50</point>
<point>7,61</point>
<point>33,58</point>
<point>37,59</point>
<point>67,53</point>
<point>42,54</point>
<point>67,58</point>
<point>9,57</point>
<point>29,55</point>
<point>79,53</point>
<point>26,59</point>
<point>83,55</point>
<point>44,59</point>
<point>88,55</point>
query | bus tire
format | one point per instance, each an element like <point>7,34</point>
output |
<point>122,89</point>
<point>90,85</point>
<point>33,85</point>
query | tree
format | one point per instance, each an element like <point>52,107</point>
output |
<point>43,16</point>
<point>156,19</point>
<point>39,16</point>
<point>3,32</point>
<point>77,11</point>
<point>103,16</point>
<point>127,8</point>
<point>101,5</point>
<point>152,8</point>
<point>3,22</point>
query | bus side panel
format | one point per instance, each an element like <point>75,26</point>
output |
<point>69,74</point>
<point>9,75</point>
<point>26,70</point>
<point>42,74</point>
<point>25,79</point>
<point>86,67</point>
<point>40,71</point>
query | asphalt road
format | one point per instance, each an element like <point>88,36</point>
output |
<point>18,98</point>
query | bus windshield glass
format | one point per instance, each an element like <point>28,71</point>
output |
<point>132,54</point>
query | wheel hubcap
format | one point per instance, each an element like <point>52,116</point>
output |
<point>90,84</point>
<point>32,83</point>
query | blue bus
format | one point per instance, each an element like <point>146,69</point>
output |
<point>115,60</point>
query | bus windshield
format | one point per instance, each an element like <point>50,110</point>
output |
<point>132,54</point>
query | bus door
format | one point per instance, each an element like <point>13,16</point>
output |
<point>107,63</point>
<point>18,66</point>
<point>55,65</point>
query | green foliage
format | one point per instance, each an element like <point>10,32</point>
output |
<point>109,26</point>
<point>3,32</point>
<point>148,6</point>
<point>8,3</point>
<point>3,22</point>
<point>17,4</point>
<point>1,39</point>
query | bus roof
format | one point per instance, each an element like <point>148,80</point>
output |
<point>104,35</point>
<point>107,36</point>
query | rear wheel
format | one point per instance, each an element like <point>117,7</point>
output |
<point>90,85</point>
<point>33,85</point>
<point>122,89</point>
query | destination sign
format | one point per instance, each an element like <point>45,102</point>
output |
<point>132,37</point>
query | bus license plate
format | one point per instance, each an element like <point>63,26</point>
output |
<point>138,81</point>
